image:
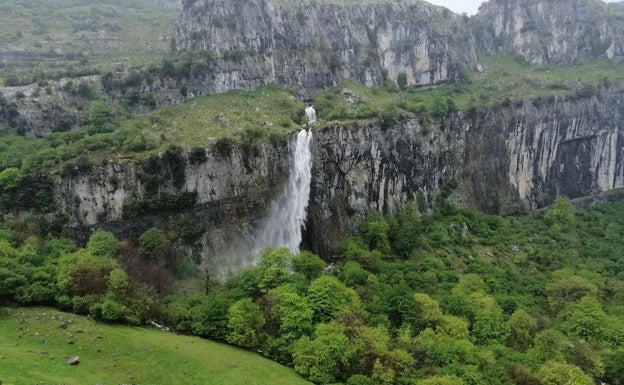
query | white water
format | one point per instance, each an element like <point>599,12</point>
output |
<point>310,114</point>
<point>283,227</point>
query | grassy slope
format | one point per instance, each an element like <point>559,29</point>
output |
<point>256,115</point>
<point>110,354</point>
<point>502,78</point>
<point>105,32</point>
<point>267,112</point>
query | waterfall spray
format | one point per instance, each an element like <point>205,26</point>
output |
<point>283,227</point>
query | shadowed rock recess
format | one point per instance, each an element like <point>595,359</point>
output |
<point>499,159</point>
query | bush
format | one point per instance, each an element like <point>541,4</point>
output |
<point>112,310</point>
<point>102,243</point>
<point>155,245</point>
<point>101,117</point>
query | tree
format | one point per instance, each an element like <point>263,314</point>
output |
<point>557,373</point>
<point>308,264</point>
<point>353,274</point>
<point>547,346</point>
<point>245,322</point>
<point>327,296</point>
<point>374,231</point>
<point>275,267</point>
<point>441,380</point>
<point>489,325</point>
<point>102,243</point>
<point>9,178</point>
<point>588,359</point>
<point>324,358</point>
<point>522,329</point>
<point>112,310</point>
<point>402,80</point>
<point>567,287</point>
<point>439,107</point>
<point>452,326</point>
<point>85,278</point>
<point>118,284</point>
<point>428,308</point>
<point>9,182</point>
<point>101,117</point>
<point>560,214</point>
<point>404,238</point>
<point>209,317</point>
<point>360,379</point>
<point>155,245</point>
<point>293,311</point>
<point>586,319</point>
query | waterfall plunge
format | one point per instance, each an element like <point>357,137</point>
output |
<point>282,228</point>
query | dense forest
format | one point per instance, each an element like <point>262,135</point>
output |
<point>429,296</point>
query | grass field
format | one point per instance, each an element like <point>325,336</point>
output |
<point>35,344</point>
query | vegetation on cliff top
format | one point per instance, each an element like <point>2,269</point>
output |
<point>269,113</point>
<point>272,113</point>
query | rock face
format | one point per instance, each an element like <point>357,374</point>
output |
<point>498,159</point>
<point>503,158</point>
<point>551,31</point>
<point>307,44</point>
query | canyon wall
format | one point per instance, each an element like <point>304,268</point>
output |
<point>499,159</point>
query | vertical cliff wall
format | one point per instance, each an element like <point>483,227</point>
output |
<point>498,159</point>
<point>503,159</point>
<point>308,44</point>
<point>553,31</point>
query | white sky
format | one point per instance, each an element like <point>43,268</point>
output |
<point>468,6</point>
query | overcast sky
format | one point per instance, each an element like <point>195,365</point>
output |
<point>468,6</point>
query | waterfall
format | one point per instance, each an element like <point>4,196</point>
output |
<point>282,225</point>
<point>310,114</point>
<point>282,228</point>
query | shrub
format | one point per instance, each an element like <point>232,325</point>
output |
<point>102,243</point>
<point>101,118</point>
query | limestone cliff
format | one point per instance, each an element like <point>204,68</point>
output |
<point>501,159</point>
<point>307,45</point>
<point>504,158</point>
<point>551,31</point>
<point>311,44</point>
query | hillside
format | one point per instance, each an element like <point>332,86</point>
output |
<point>35,344</point>
<point>46,39</point>
<point>453,217</point>
<point>453,295</point>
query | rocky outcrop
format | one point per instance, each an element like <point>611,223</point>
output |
<point>308,44</point>
<point>499,159</point>
<point>38,110</point>
<point>547,31</point>
<point>502,159</point>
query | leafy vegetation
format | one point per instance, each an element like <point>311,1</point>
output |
<point>431,296</point>
<point>218,120</point>
<point>502,80</point>
<point>36,342</point>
